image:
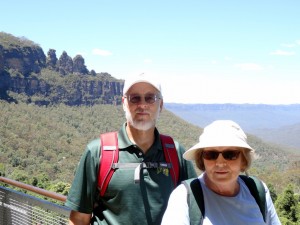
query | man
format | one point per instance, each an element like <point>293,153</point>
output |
<point>134,195</point>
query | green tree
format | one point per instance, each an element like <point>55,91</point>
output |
<point>287,206</point>
<point>61,188</point>
<point>272,192</point>
<point>2,169</point>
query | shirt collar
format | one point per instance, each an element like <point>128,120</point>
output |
<point>124,141</point>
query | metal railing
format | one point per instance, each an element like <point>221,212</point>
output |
<point>17,208</point>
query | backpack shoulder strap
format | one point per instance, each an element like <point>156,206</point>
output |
<point>171,156</point>
<point>109,155</point>
<point>195,195</point>
<point>197,191</point>
<point>257,190</point>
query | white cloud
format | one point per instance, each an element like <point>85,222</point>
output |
<point>284,53</point>
<point>298,42</point>
<point>248,66</point>
<point>288,45</point>
<point>101,52</point>
<point>254,91</point>
<point>148,61</point>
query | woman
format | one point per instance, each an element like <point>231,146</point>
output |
<point>222,154</point>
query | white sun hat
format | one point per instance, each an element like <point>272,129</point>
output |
<point>219,133</point>
<point>143,77</point>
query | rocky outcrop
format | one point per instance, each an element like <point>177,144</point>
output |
<point>65,64</point>
<point>51,60</point>
<point>79,65</point>
<point>23,56</point>
<point>22,71</point>
<point>25,60</point>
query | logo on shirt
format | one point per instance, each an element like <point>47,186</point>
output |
<point>165,171</point>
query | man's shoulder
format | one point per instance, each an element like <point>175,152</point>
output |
<point>180,149</point>
<point>94,144</point>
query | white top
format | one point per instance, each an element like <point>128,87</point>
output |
<point>220,210</point>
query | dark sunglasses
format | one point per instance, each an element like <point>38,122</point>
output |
<point>136,99</point>
<point>228,155</point>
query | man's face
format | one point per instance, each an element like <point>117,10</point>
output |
<point>142,105</point>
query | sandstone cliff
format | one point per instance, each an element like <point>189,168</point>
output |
<point>25,70</point>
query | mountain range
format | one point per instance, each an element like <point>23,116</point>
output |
<point>278,124</point>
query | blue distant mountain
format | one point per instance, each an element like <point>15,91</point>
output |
<point>276,123</point>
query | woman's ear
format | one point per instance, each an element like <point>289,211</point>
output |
<point>244,164</point>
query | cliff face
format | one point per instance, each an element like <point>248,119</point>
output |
<point>22,62</point>
<point>20,54</point>
<point>26,61</point>
<point>81,92</point>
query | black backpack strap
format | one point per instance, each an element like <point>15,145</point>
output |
<point>195,195</point>
<point>198,194</point>
<point>257,190</point>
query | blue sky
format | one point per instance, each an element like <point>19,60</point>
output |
<point>203,51</point>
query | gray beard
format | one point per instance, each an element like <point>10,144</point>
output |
<point>141,125</point>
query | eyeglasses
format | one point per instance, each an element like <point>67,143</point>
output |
<point>228,155</point>
<point>136,99</point>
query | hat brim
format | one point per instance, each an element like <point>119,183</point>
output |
<point>191,153</point>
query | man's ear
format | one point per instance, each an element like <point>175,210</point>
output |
<point>161,105</point>
<point>123,103</point>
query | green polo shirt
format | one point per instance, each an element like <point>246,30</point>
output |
<point>126,202</point>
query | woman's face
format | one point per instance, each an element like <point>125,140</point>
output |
<point>222,171</point>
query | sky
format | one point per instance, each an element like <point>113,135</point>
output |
<point>203,51</point>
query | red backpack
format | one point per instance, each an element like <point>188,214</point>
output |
<point>110,155</point>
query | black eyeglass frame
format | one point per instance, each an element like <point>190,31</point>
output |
<point>148,98</point>
<point>229,155</point>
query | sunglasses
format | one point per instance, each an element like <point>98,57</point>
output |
<point>137,99</point>
<point>228,155</point>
